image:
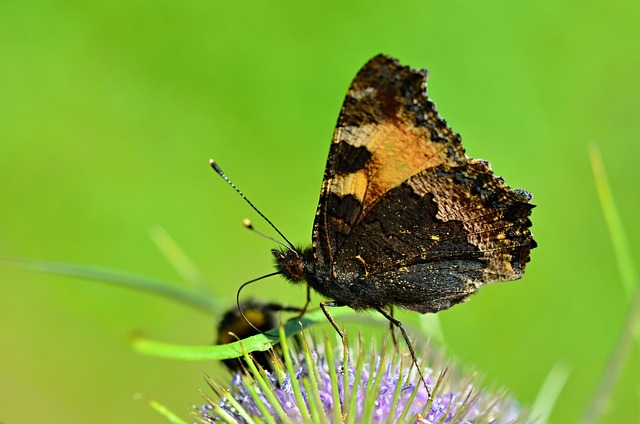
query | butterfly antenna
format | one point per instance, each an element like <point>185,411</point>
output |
<point>220,172</point>
<point>248,225</point>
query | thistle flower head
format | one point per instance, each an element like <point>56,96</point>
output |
<point>313,383</point>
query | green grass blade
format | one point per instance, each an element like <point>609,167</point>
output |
<point>162,410</point>
<point>626,267</point>
<point>629,276</point>
<point>180,261</point>
<point>118,278</point>
<point>549,392</point>
<point>615,365</point>
<point>260,342</point>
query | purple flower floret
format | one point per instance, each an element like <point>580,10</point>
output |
<point>382,392</point>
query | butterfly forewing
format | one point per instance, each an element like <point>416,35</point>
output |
<point>388,130</point>
<point>405,217</point>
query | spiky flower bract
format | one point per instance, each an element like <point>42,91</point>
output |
<point>315,384</point>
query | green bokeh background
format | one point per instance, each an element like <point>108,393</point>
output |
<point>110,111</point>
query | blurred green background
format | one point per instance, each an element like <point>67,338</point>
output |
<point>110,111</point>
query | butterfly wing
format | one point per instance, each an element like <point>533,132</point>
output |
<point>405,217</point>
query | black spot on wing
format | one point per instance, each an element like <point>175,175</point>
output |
<point>348,158</point>
<point>337,216</point>
<point>358,112</point>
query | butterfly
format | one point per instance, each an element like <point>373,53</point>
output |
<point>405,218</point>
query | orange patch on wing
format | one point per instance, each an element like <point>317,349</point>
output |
<point>398,150</point>
<point>354,183</point>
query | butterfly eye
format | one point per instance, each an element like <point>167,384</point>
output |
<point>297,268</point>
<point>290,264</point>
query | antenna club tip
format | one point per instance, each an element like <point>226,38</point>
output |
<point>247,223</point>
<point>215,167</point>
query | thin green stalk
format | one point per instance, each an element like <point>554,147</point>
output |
<point>180,261</point>
<point>629,276</point>
<point>162,410</point>
<point>172,291</point>
<point>615,364</point>
<point>624,259</point>
<point>549,392</point>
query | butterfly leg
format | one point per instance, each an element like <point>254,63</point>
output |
<point>303,310</point>
<point>398,324</point>
<point>330,303</point>
<point>392,328</point>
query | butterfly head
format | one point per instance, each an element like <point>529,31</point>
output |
<point>293,264</point>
